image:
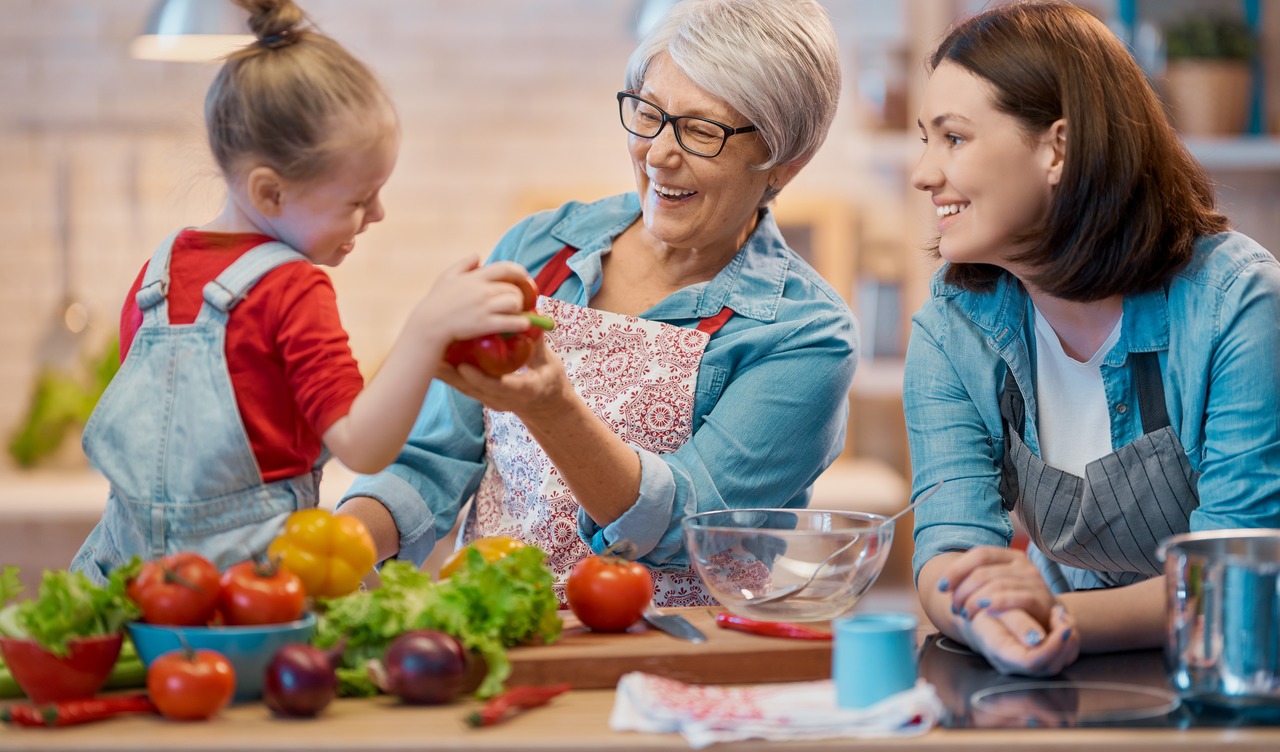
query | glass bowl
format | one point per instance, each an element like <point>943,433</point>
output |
<point>744,555</point>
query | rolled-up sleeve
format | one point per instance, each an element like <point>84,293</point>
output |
<point>438,469</point>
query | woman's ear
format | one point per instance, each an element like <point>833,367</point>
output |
<point>266,191</point>
<point>781,174</point>
<point>1055,143</point>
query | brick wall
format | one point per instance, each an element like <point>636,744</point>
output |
<point>500,100</point>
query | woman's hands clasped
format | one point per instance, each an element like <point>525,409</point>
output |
<point>1005,611</point>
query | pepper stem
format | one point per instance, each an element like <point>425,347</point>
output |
<point>545,323</point>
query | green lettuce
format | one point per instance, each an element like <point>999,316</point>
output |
<point>68,606</point>
<point>488,606</point>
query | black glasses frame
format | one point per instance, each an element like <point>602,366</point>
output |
<point>729,130</point>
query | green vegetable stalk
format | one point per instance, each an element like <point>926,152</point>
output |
<point>488,606</point>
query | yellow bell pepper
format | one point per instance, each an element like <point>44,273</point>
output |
<point>491,548</point>
<point>330,553</point>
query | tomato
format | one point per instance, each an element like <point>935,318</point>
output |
<point>177,590</point>
<point>330,553</point>
<point>254,593</point>
<point>191,685</point>
<point>608,593</point>
<point>491,548</point>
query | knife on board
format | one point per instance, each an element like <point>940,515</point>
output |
<point>673,624</point>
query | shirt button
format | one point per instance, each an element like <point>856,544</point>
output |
<point>1122,408</point>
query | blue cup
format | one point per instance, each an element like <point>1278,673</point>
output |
<point>874,657</point>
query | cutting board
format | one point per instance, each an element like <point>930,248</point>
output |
<point>589,659</point>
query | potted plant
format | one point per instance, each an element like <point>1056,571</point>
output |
<point>1207,76</point>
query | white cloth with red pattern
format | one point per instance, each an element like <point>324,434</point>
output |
<point>708,714</point>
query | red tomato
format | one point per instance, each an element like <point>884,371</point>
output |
<point>254,593</point>
<point>191,685</point>
<point>178,590</point>
<point>608,593</point>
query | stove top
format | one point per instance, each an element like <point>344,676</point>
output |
<point>1126,690</point>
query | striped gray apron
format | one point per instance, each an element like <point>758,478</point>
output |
<point>1101,530</point>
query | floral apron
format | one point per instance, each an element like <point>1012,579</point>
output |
<point>638,377</point>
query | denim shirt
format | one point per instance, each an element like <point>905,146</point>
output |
<point>769,415</point>
<point>1216,327</point>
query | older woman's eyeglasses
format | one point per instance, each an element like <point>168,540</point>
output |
<point>705,138</point>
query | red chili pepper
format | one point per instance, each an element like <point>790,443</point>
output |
<point>74,712</point>
<point>513,700</point>
<point>727,620</point>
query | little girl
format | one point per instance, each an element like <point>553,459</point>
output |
<point>237,381</point>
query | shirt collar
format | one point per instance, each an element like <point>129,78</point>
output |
<point>751,284</point>
<point>1002,313</point>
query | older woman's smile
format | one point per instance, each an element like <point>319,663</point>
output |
<point>671,193</point>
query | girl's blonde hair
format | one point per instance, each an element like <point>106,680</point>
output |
<point>282,99</point>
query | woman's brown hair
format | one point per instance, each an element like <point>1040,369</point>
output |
<point>1132,199</point>
<point>281,99</point>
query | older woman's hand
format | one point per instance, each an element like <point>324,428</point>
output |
<point>540,385</point>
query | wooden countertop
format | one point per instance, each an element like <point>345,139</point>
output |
<point>575,721</point>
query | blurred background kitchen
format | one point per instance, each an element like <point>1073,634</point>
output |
<point>507,106</point>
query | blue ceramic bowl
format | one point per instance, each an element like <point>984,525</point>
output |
<point>249,649</point>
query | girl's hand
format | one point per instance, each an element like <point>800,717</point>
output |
<point>1002,639</point>
<point>469,300</point>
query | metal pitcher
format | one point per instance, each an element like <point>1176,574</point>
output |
<point>1222,645</point>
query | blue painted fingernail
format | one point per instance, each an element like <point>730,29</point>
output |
<point>1034,637</point>
<point>954,610</point>
<point>943,585</point>
<point>984,602</point>
<point>964,612</point>
<point>1066,634</point>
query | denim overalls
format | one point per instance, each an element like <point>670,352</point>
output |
<point>168,436</point>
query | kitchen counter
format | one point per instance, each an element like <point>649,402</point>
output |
<point>578,720</point>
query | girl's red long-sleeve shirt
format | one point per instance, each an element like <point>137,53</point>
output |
<point>291,366</point>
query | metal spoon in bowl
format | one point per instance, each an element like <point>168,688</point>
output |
<point>786,592</point>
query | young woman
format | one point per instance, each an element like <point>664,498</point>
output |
<point>1098,356</point>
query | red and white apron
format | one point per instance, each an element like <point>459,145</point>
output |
<point>638,377</point>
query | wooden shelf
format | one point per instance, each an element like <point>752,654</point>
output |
<point>1252,153</point>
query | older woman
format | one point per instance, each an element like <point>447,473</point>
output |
<point>698,363</point>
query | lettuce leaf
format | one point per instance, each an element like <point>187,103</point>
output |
<point>68,606</point>
<point>488,606</point>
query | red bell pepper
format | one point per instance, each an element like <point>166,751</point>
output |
<point>498,354</point>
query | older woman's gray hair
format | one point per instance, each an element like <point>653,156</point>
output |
<point>775,61</point>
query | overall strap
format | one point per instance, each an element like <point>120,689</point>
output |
<point>557,271</point>
<point>155,284</point>
<point>1146,371</point>
<point>229,288</point>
